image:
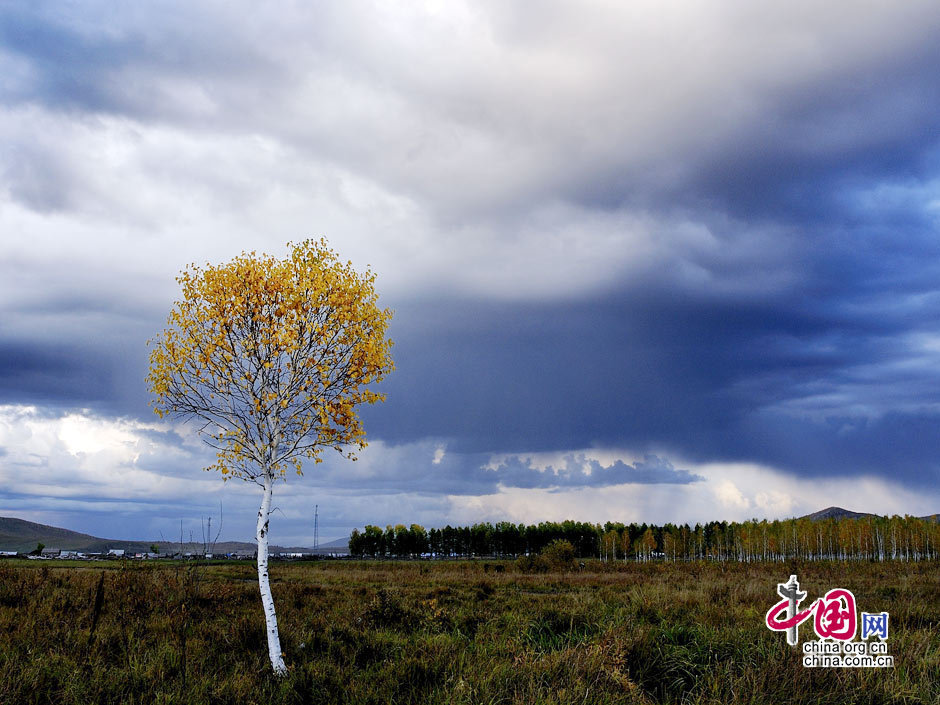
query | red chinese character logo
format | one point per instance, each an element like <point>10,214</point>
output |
<point>779,625</point>
<point>835,615</point>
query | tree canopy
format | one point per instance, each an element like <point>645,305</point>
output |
<point>273,356</point>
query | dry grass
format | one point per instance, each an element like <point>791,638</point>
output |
<point>409,632</point>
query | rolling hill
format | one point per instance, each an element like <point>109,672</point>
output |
<point>836,513</point>
<point>20,535</point>
<point>840,513</point>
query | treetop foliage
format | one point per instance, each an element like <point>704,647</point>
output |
<point>273,356</point>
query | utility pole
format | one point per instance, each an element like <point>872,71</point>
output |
<point>316,525</point>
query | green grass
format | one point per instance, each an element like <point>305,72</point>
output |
<point>409,632</point>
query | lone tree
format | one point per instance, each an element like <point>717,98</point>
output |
<point>272,357</point>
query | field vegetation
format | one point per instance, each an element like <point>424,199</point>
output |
<point>448,632</point>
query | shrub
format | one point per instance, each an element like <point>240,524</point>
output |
<point>559,555</point>
<point>531,564</point>
<point>385,611</point>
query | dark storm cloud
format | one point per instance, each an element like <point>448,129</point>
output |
<point>69,375</point>
<point>729,381</point>
<point>99,365</point>
<point>898,446</point>
<point>822,142</point>
<point>595,372</point>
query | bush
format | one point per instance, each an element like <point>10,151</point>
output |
<point>559,555</point>
<point>385,611</point>
<point>532,564</point>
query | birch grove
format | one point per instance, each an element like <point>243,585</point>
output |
<point>869,538</point>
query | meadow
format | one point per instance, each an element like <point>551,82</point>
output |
<point>448,632</point>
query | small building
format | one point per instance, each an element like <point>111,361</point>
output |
<point>51,552</point>
<point>115,553</point>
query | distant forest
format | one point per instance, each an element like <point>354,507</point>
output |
<point>869,538</point>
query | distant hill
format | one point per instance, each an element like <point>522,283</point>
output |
<point>840,513</point>
<point>21,535</point>
<point>338,543</point>
<point>836,513</point>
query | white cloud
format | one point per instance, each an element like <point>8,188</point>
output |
<point>90,457</point>
<point>730,497</point>
<point>125,479</point>
<point>82,435</point>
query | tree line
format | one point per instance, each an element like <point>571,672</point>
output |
<point>869,538</point>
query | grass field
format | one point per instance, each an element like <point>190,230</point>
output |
<point>462,632</point>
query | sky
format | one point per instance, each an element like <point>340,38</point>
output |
<point>649,261</point>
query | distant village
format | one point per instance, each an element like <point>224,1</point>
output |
<point>122,554</point>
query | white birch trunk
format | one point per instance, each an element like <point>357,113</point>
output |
<point>267,600</point>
